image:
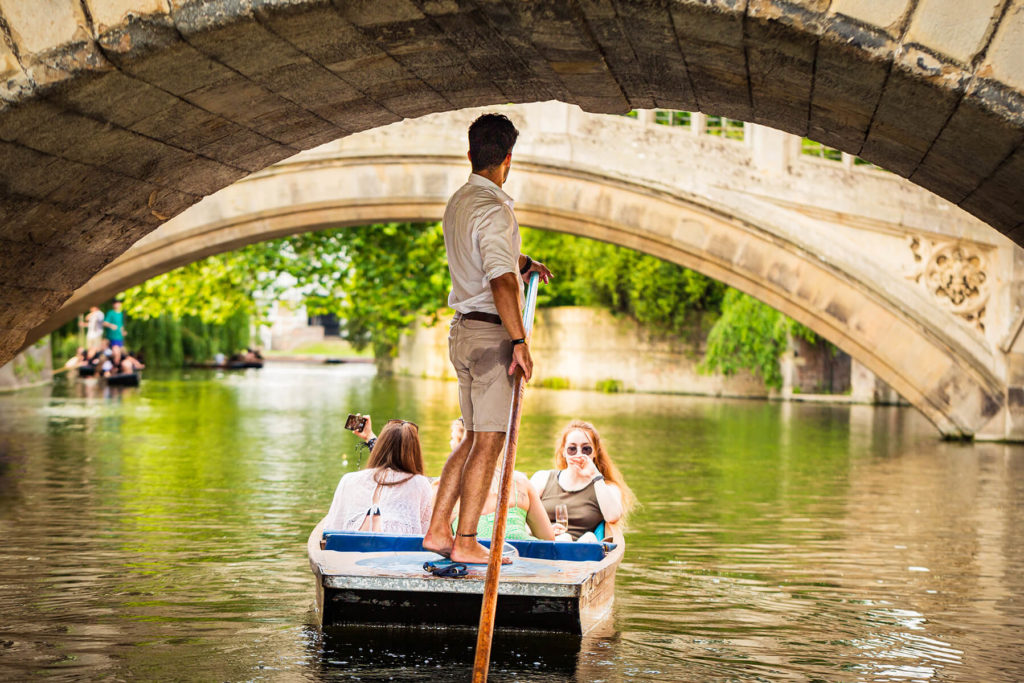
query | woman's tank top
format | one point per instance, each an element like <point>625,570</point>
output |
<point>584,510</point>
<point>516,528</point>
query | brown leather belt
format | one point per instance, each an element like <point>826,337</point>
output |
<point>483,317</point>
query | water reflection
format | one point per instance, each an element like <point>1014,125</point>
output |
<point>162,529</point>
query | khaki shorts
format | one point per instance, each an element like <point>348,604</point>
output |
<point>481,353</point>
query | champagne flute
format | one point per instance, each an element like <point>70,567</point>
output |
<point>562,515</point>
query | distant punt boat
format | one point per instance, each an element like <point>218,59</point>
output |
<point>128,379</point>
<point>230,365</point>
<point>369,578</point>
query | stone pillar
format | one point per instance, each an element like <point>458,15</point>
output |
<point>771,150</point>
<point>866,387</point>
<point>645,116</point>
<point>848,161</point>
<point>698,123</point>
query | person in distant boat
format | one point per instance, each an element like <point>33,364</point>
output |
<point>93,329</point>
<point>487,339</point>
<point>113,323</point>
<point>391,495</point>
<point>585,480</point>
<point>131,364</point>
<point>527,519</point>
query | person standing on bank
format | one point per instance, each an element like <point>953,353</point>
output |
<point>487,339</point>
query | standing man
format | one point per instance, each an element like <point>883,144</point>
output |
<point>93,329</point>
<point>113,321</point>
<point>487,339</point>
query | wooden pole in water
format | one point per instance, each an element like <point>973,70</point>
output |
<point>488,609</point>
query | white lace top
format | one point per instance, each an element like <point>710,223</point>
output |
<point>404,508</point>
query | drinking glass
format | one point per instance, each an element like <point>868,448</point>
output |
<point>562,515</point>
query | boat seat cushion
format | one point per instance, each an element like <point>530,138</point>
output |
<point>367,542</point>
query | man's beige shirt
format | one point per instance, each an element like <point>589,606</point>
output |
<point>481,236</point>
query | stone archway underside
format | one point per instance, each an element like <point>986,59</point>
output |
<point>116,115</point>
<point>891,333</point>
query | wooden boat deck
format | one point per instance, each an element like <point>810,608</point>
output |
<point>392,588</point>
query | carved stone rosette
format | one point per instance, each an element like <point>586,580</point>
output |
<point>954,273</point>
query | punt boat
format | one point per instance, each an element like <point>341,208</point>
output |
<point>126,379</point>
<point>372,578</point>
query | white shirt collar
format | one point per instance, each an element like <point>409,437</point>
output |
<point>480,181</point>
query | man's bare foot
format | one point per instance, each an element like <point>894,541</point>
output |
<point>468,550</point>
<point>439,543</point>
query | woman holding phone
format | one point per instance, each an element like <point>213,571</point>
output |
<point>391,495</point>
<point>585,481</point>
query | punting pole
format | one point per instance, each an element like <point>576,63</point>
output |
<point>488,609</point>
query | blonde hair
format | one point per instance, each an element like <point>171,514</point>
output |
<point>397,448</point>
<point>602,461</point>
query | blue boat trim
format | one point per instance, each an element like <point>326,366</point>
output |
<point>366,542</point>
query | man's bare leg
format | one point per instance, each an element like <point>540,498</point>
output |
<point>476,484</point>
<point>438,538</point>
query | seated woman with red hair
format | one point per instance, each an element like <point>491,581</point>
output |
<point>585,480</point>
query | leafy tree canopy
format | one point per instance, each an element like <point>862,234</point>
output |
<point>379,279</point>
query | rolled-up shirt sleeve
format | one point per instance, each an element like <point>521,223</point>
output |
<point>496,234</point>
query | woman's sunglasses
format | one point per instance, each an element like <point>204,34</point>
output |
<point>396,421</point>
<point>586,448</point>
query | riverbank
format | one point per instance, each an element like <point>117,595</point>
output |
<point>30,368</point>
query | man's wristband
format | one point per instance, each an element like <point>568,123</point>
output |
<point>526,268</point>
<point>518,341</point>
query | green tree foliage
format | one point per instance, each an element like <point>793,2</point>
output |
<point>214,289</point>
<point>378,279</point>
<point>656,293</point>
<point>750,335</point>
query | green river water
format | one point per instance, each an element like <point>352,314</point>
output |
<point>159,534</point>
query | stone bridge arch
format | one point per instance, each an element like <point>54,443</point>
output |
<point>776,255</point>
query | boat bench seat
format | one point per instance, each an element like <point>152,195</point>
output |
<point>368,542</point>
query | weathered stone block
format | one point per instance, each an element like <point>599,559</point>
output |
<point>49,265</point>
<point>28,306</point>
<point>26,172</point>
<point>107,14</point>
<point>10,342</point>
<point>712,41</point>
<point>14,82</point>
<point>416,42</point>
<point>551,31</point>
<point>113,97</point>
<point>1004,60</point>
<point>42,223</point>
<point>999,200</point>
<point>902,130</point>
<point>883,14</point>
<point>971,146</point>
<point>850,70</point>
<point>782,46</point>
<point>53,38</point>
<point>260,55</point>
<point>945,27</point>
<point>317,30</point>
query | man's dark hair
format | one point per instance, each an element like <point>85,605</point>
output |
<point>491,138</point>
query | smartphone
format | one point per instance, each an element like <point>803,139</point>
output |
<point>355,423</point>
